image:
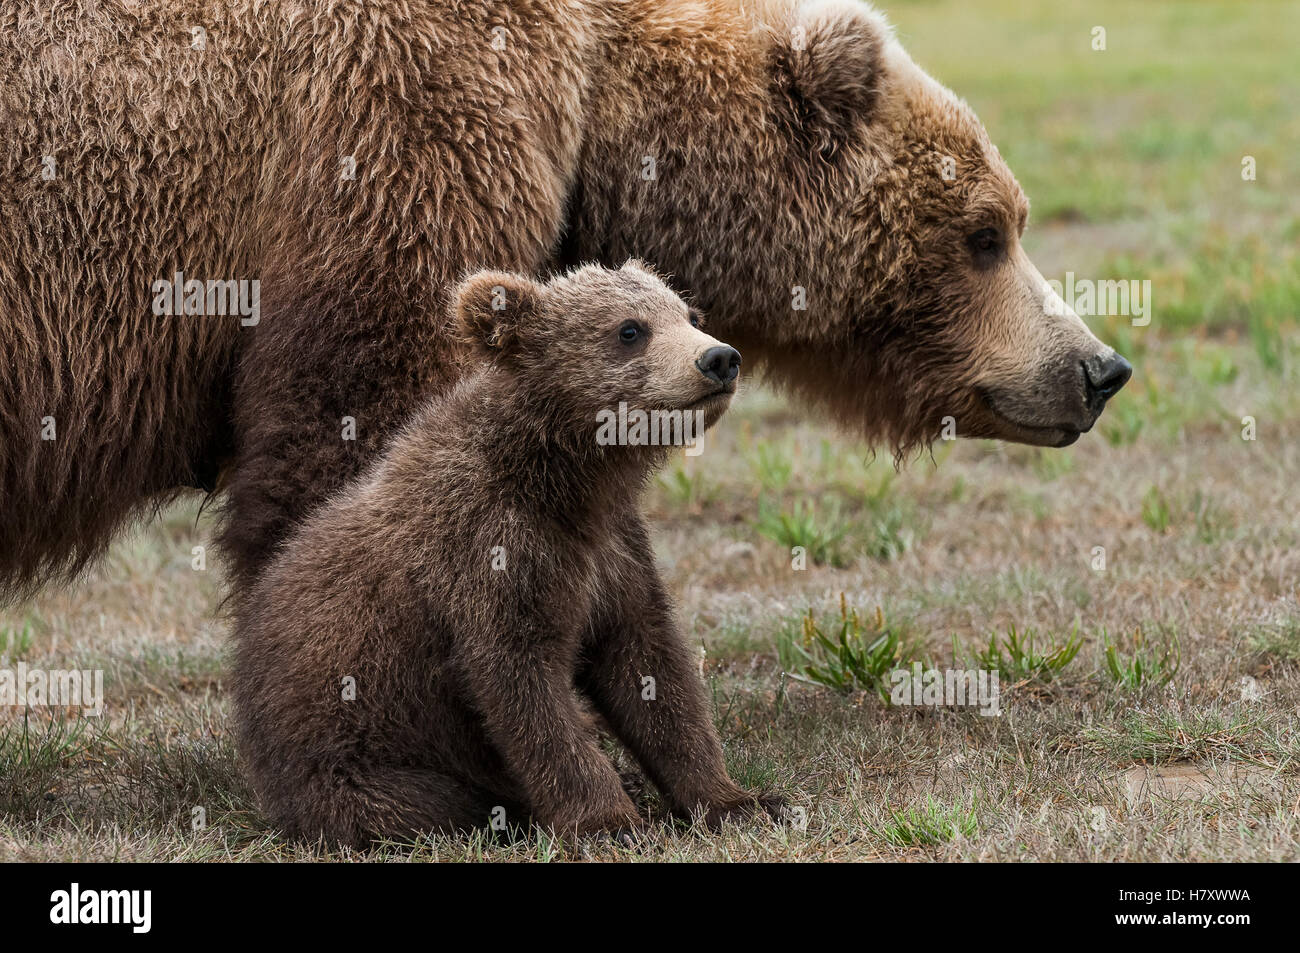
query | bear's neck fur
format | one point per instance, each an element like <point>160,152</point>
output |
<point>688,162</point>
<point>673,154</point>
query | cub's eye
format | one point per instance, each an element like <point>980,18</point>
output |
<point>985,244</point>
<point>694,318</point>
<point>629,332</point>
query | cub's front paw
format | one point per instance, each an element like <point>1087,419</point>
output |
<point>628,838</point>
<point>766,807</point>
<point>620,822</point>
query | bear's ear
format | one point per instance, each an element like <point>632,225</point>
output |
<point>828,65</point>
<point>493,307</point>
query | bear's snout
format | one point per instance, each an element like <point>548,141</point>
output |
<point>719,364</point>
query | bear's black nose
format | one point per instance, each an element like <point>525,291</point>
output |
<point>720,364</point>
<point>1104,376</point>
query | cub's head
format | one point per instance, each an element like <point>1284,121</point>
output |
<point>591,340</point>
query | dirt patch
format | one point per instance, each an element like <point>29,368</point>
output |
<point>1172,782</point>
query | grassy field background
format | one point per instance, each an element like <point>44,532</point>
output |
<point>1154,717</point>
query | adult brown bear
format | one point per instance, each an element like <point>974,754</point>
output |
<point>842,218</point>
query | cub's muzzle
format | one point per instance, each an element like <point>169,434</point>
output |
<point>719,364</point>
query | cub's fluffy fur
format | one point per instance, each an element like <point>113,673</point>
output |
<point>411,660</point>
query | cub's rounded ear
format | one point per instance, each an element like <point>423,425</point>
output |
<point>829,67</point>
<point>492,308</point>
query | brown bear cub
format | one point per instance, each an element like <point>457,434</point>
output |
<point>412,659</point>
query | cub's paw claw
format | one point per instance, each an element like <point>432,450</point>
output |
<point>776,807</point>
<point>606,825</point>
<point>766,807</point>
<point>628,838</point>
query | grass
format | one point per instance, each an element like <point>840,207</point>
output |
<point>773,467</point>
<point>34,753</point>
<point>688,489</point>
<point>837,528</point>
<point>1280,640</point>
<point>1196,511</point>
<point>1141,665</point>
<point>928,825</point>
<point>1132,160</point>
<point>16,641</point>
<point>1020,658</point>
<point>847,654</point>
<point>809,533</point>
<point>1168,736</point>
<point>1156,511</point>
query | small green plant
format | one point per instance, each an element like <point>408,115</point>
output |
<point>1266,335</point>
<point>772,466</point>
<point>1143,665</point>
<point>1050,464</point>
<point>14,642</point>
<point>845,656</point>
<point>1016,656</point>
<point>1124,422</point>
<point>1281,639</point>
<point>1207,521</point>
<point>1210,522</point>
<point>1214,367</point>
<point>887,533</point>
<point>928,825</point>
<point>1156,511</point>
<point>687,490</point>
<point>819,534</point>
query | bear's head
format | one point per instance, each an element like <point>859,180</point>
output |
<point>593,339</point>
<point>842,217</point>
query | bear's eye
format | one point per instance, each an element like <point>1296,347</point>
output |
<point>985,245</point>
<point>695,318</point>
<point>629,332</point>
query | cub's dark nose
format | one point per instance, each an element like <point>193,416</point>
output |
<point>720,364</point>
<point>1104,376</point>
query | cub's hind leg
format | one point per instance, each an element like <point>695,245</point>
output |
<point>372,803</point>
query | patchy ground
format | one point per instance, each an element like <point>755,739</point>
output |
<point>1148,708</point>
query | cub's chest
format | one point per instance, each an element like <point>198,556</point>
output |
<point>579,577</point>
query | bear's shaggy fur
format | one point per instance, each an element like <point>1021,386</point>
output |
<point>841,216</point>
<point>408,662</point>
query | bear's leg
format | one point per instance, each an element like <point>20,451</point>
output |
<point>534,721</point>
<point>374,802</point>
<point>669,730</point>
<point>322,385</point>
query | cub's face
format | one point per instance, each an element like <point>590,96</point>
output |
<point>596,338</point>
